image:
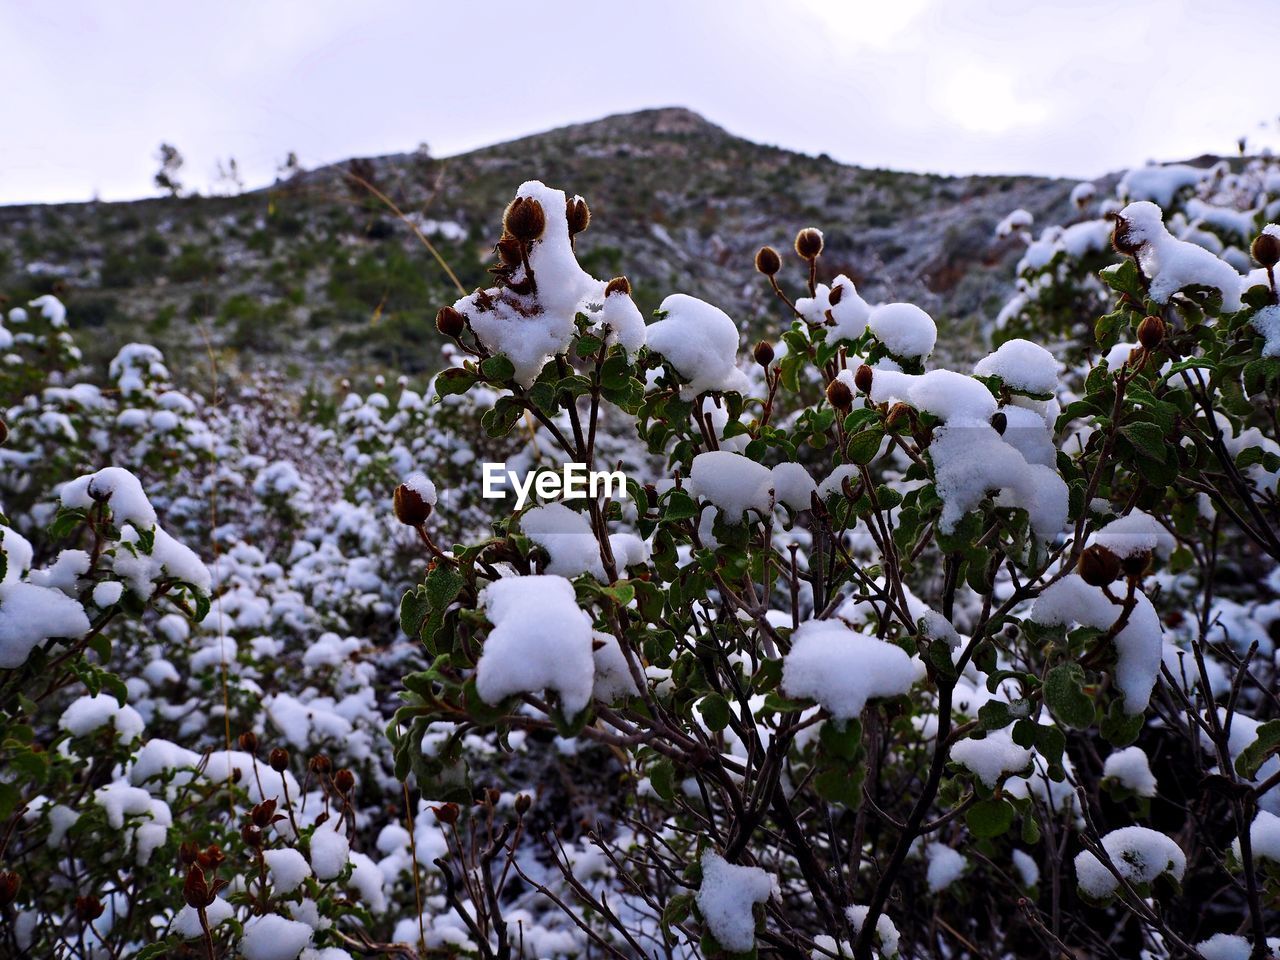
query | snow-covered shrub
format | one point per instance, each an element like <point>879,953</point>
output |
<point>872,657</point>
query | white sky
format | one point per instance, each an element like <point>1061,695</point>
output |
<point>88,90</point>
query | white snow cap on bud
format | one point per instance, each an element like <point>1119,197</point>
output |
<point>904,329</point>
<point>701,342</point>
<point>420,484</point>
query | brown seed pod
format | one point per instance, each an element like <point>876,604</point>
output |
<point>525,219</point>
<point>839,395</point>
<point>88,909</point>
<point>211,856</point>
<point>1136,564</point>
<point>999,421</point>
<point>249,742</point>
<point>763,353</point>
<point>1151,332</point>
<point>618,285</point>
<point>523,803</point>
<point>411,509</point>
<point>1266,249</point>
<point>508,249</point>
<point>320,764</point>
<point>10,884</point>
<point>809,243</point>
<point>767,261</point>
<point>195,889</point>
<point>578,215</point>
<point>862,378</point>
<point>450,322</point>
<point>1098,566</point>
<point>279,759</point>
<point>836,295</point>
<point>1122,239</point>
<point>897,414</point>
<point>187,852</point>
<point>264,813</point>
<point>446,813</point>
<point>251,835</point>
<point>344,780</point>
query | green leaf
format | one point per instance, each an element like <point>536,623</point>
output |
<point>498,369</point>
<point>422,609</point>
<point>662,777</point>
<point>454,380</point>
<point>1147,439</point>
<point>994,715</point>
<point>680,506</point>
<point>715,712</point>
<point>989,818</point>
<point>1255,754</point>
<point>1064,695</point>
<point>863,447</point>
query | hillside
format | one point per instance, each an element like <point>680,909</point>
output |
<point>316,274</point>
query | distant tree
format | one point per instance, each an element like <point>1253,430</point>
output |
<point>170,163</point>
<point>289,167</point>
<point>228,177</point>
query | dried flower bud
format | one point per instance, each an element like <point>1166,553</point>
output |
<point>999,420</point>
<point>188,852</point>
<point>809,243</point>
<point>862,378</point>
<point>195,889</point>
<point>525,219</point>
<point>836,295</point>
<point>508,249</point>
<point>446,813</point>
<point>344,780</point>
<point>763,353</point>
<point>650,495</point>
<point>264,813</point>
<point>249,742</point>
<point>492,796</point>
<point>767,261</point>
<point>1151,332</point>
<point>839,395</point>
<point>1266,249</point>
<point>320,764</point>
<point>88,909</point>
<point>279,759</point>
<point>618,285</point>
<point>523,803</point>
<point>211,856</point>
<point>411,509</point>
<point>577,213</point>
<point>897,413</point>
<point>1136,564</point>
<point>1098,566</point>
<point>450,322</point>
<point>1122,239</point>
<point>10,884</point>
<point>251,835</point>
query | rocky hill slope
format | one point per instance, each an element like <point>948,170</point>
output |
<point>315,275</point>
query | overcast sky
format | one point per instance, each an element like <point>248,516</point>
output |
<point>89,90</point>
